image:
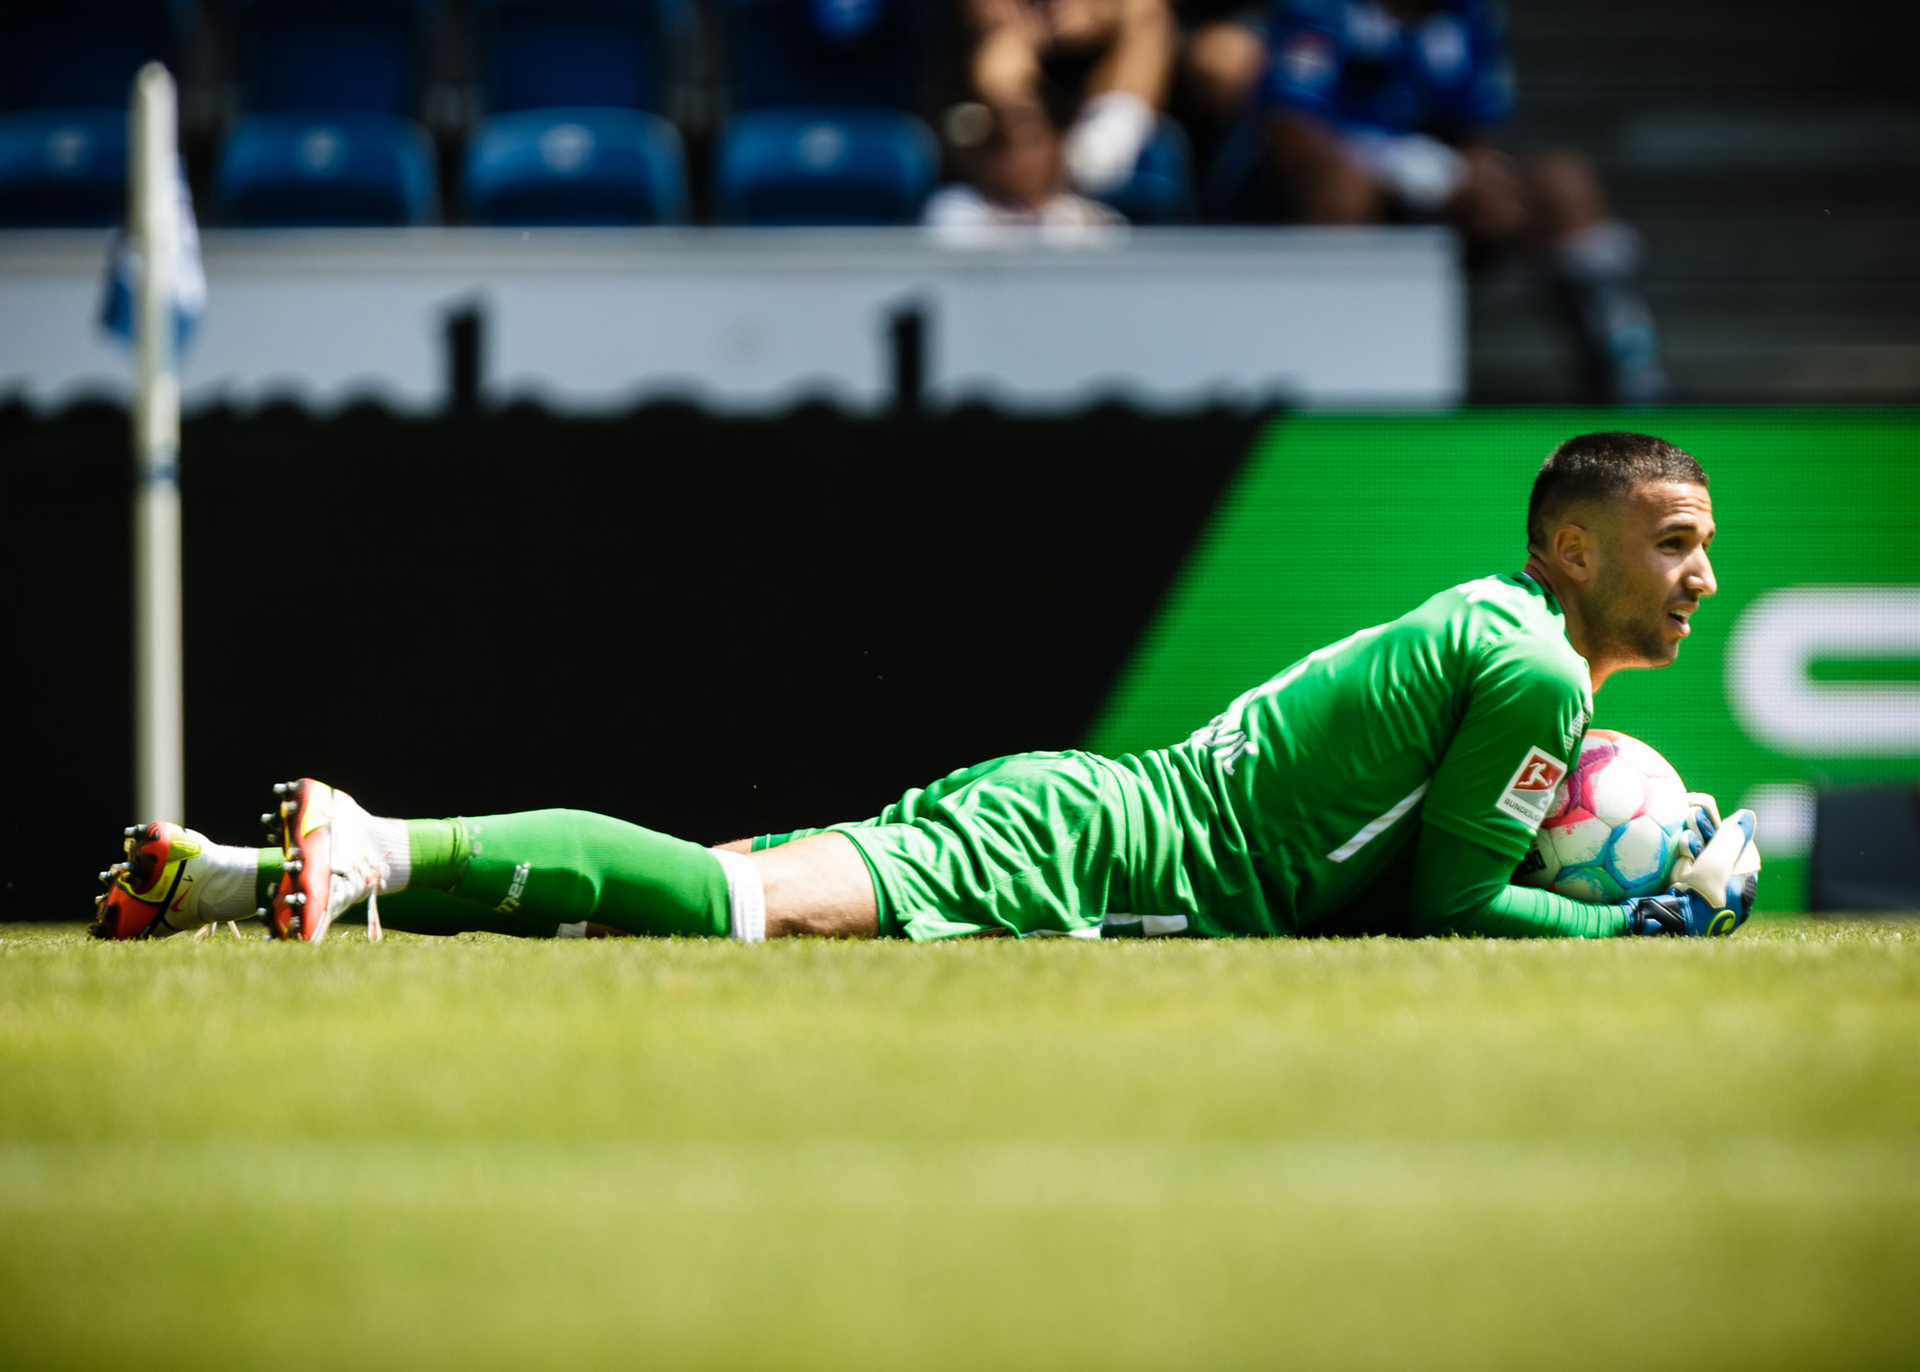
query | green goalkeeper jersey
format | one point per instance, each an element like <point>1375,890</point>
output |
<point>1298,807</point>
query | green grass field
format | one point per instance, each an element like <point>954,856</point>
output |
<point>475,1152</point>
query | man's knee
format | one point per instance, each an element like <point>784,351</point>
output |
<point>1338,190</point>
<point>1566,187</point>
<point>818,886</point>
<point>1490,205</point>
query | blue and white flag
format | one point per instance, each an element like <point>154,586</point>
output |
<point>189,277</point>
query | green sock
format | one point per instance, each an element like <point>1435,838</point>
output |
<point>421,910</point>
<point>572,865</point>
<point>438,849</point>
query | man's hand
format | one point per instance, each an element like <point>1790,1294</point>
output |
<point>1704,800</point>
<point>1714,880</point>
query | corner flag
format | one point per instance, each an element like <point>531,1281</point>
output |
<point>187,279</point>
<point>156,290</point>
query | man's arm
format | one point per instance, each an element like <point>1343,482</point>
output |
<point>1463,887</point>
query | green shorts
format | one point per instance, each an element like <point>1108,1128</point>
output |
<point>1033,844</point>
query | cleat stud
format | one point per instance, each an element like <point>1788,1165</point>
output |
<point>269,819</point>
<point>262,912</point>
<point>132,829</point>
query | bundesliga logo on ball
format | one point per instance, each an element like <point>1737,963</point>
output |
<point>1613,828</point>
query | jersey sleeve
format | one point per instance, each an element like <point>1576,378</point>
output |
<point>1524,716</point>
<point>1463,887</point>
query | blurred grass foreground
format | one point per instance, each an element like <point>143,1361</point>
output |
<point>477,1153</point>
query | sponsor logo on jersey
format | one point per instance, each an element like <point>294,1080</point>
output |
<point>512,902</point>
<point>1529,793</point>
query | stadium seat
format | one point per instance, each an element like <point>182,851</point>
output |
<point>346,168</point>
<point>63,168</point>
<point>824,52</point>
<point>80,54</point>
<point>68,70</point>
<point>331,54</point>
<point>1161,189</point>
<point>576,166</point>
<point>825,166</point>
<point>568,53</point>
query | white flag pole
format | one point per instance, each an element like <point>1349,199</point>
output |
<point>158,712</point>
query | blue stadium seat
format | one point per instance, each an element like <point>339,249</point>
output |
<point>1161,189</point>
<point>76,54</point>
<point>68,68</point>
<point>331,54</point>
<point>337,169</point>
<point>825,52</point>
<point>551,53</point>
<point>825,166</point>
<point>576,166</point>
<point>63,168</point>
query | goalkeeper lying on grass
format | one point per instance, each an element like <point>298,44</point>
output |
<point>1385,783</point>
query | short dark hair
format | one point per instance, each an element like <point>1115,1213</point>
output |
<point>1600,466</point>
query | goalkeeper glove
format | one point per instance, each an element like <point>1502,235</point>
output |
<point>1714,880</point>
<point>1704,801</point>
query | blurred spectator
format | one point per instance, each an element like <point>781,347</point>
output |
<point>1107,59</point>
<point>1223,55</point>
<point>1012,157</point>
<point>1385,110</point>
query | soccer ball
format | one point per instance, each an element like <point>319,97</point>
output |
<point>1614,827</point>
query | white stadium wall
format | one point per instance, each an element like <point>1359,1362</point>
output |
<point>751,321</point>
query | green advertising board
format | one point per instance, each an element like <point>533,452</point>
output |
<point>1803,672</point>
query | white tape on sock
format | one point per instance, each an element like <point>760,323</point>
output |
<point>389,839</point>
<point>216,885</point>
<point>746,896</point>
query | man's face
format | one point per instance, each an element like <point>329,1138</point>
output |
<point>1653,571</point>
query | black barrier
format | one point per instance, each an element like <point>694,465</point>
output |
<point>1866,851</point>
<point>711,626</point>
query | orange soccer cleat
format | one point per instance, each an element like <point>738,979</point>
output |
<point>151,894</point>
<point>337,855</point>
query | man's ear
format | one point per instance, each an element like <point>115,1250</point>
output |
<point>1575,552</point>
